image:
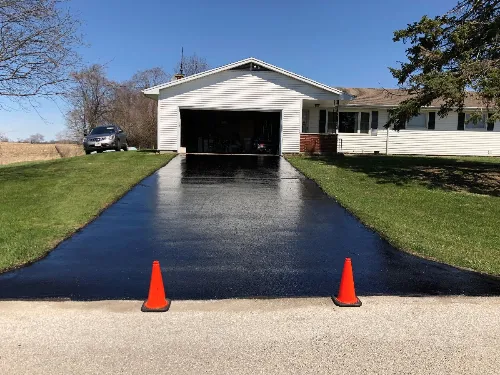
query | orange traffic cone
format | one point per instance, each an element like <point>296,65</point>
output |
<point>156,298</point>
<point>347,294</point>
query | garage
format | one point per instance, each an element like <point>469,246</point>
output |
<point>248,106</point>
<point>230,132</point>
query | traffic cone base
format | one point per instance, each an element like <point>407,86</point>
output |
<point>341,304</point>
<point>145,308</point>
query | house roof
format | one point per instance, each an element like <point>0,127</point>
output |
<point>392,97</point>
<point>155,90</point>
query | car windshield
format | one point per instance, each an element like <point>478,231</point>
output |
<point>103,130</point>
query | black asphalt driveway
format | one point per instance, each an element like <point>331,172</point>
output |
<point>231,226</point>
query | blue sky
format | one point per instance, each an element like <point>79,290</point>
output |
<point>339,43</point>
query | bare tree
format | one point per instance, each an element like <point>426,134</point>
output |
<point>95,100</point>
<point>192,65</point>
<point>3,138</point>
<point>66,136</point>
<point>148,78</point>
<point>90,100</point>
<point>35,138</point>
<point>134,112</point>
<point>37,47</point>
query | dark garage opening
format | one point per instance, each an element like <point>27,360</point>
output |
<point>230,132</point>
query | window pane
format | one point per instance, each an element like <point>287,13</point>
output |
<point>332,122</point>
<point>305,121</point>
<point>461,121</point>
<point>432,120</point>
<point>348,122</point>
<point>481,124</point>
<point>417,122</point>
<point>364,123</point>
<point>374,119</point>
<point>491,124</point>
<point>322,121</point>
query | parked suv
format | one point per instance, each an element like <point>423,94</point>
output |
<point>105,138</point>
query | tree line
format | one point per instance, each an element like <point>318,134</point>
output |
<point>96,100</point>
<point>447,56</point>
<point>39,40</point>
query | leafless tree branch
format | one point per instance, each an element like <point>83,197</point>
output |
<point>37,48</point>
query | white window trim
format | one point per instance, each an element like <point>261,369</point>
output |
<point>358,120</point>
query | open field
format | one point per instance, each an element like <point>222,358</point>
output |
<point>41,203</point>
<point>447,209</point>
<point>11,152</point>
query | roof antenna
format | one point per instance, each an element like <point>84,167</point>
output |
<point>182,60</point>
<point>180,75</point>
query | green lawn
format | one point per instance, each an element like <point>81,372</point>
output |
<point>42,203</point>
<point>447,209</point>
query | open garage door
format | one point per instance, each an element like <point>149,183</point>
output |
<point>230,132</point>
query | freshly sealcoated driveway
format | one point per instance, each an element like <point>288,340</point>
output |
<point>231,226</point>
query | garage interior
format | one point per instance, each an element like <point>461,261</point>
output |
<point>230,132</point>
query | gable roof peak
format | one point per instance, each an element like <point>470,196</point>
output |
<point>155,90</point>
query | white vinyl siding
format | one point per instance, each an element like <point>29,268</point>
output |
<point>420,142</point>
<point>383,117</point>
<point>450,122</point>
<point>444,140</point>
<point>242,91</point>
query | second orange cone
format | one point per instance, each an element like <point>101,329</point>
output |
<point>156,299</point>
<point>347,294</point>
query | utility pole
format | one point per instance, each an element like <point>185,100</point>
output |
<point>387,142</point>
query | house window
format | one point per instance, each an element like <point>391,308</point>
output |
<point>305,121</point>
<point>491,124</point>
<point>417,122</point>
<point>332,122</point>
<point>364,122</point>
<point>374,119</point>
<point>431,124</point>
<point>348,122</point>
<point>479,125</point>
<point>322,121</point>
<point>461,121</point>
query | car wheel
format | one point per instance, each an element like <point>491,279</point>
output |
<point>125,147</point>
<point>87,152</point>
<point>118,146</point>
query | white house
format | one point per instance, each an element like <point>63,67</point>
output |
<point>225,109</point>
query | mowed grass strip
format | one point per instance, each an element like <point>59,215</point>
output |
<point>446,209</point>
<point>42,203</point>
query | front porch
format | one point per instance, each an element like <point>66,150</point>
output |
<point>331,117</point>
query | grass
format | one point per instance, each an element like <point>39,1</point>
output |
<point>42,203</point>
<point>446,209</point>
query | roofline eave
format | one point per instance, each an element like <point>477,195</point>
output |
<point>157,88</point>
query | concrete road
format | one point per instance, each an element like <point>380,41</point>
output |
<point>387,335</point>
